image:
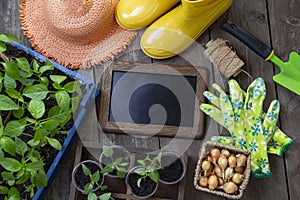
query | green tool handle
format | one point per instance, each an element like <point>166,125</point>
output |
<point>248,39</point>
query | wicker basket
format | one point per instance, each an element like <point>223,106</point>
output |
<point>204,151</point>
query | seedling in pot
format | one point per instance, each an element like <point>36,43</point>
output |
<point>149,168</point>
<point>114,164</point>
<point>94,182</point>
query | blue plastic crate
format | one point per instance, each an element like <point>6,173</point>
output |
<point>91,93</point>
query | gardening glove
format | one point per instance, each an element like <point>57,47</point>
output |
<point>278,144</point>
<point>244,120</point>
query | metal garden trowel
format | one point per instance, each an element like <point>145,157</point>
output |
<point>289,76</point>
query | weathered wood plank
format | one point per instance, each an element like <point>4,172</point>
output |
<point>253,17</point>
<point>285,31</point>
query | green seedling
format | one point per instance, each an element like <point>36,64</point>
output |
<point>149,168</point>
<point>115,164</point>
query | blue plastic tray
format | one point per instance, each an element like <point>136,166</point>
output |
<point>92,92</point>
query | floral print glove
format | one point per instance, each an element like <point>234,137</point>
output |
<point>250,129</point>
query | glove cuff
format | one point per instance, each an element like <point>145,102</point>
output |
<point>258,173</point>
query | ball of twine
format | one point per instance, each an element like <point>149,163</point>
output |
<point>223,57</point>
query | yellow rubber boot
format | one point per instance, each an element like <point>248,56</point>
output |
<point>136,14</point>
<point>178,29</point>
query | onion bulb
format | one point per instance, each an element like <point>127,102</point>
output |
<point>221,181</point>
<point>222,162</point>
<point>228,173</point>
<point>237,178</point>
<point>239,170</point>
<point>241,160</point>
<point>225,152</point>
<point>232,161</point>
<point>214,154</point>
<point>229,187</point>
<point>203,182</point>
<point>218,171</point>
<point>213,182</point>
<point>206,165</point>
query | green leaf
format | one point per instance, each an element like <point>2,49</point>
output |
<point>58,78</point>
<point>50,124</point>
<point>8,145</point>
<point>9,83</point>
<point>107,151</point>
<point>23,64</point>
<point>124,164</point>
<point>39,179</point>
<point>15,128</point>
<point>121,173</point>
<point>54,143</point>
<point>62,118</point>
<point>40,134</point>
<point>96,177</point>
<point>46,68</point>
<point>138,183</point>
<point>107,169</point>
<point>7,176</point>
<point>27,81</point>
<point>118,161</point>
<point>154,175</point>
<point>14,194</point>
<point>15,94</point>
<point>92,196</point>
<point>10,164</point>
<point>18,113</point>
<point>2,47</point>
<point>34,166</point>
<point>86,170</point>
<point>7,104</point>
<point>63,99</point>
<point>3,190</point>
<point>1,154</point>
<point>35,66</point>
<point>140,171</point>
<point>23,178</point>
<point>4,38</point>
<point>12,37</point>
<point>105,196</point>
<point>69,87</point>
<point>21,146</point>
<point>34,143</point>
<point>36,108</point>
<point>88,188</point>
<point>12,70</point>
<point>103,187</point>
<point>45,81</point>
<point>38,91</point>
<point>141,162</point>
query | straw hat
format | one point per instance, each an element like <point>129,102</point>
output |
<point>74,33</point>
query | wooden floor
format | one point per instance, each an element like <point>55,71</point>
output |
<point>275,22</point>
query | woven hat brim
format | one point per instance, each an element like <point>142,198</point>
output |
<point>66,53</point>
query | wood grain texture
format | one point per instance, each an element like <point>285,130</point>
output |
<point>285,31</point>
<point>277,23</point>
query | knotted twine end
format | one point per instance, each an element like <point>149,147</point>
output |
<point>224,58</point>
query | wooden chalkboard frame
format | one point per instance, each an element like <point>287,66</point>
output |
<point>148,129</point>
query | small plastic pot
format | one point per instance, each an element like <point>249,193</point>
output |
<point>79,179</point>
<point>173,168</point>
<point>147,189</point>
<point>118,151</point>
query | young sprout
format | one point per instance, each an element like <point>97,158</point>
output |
<point>149,168</point>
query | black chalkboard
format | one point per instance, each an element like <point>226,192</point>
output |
<point>152,99</point>
<point>158,99</point>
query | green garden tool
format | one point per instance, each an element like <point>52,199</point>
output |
<point>289,76</point>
